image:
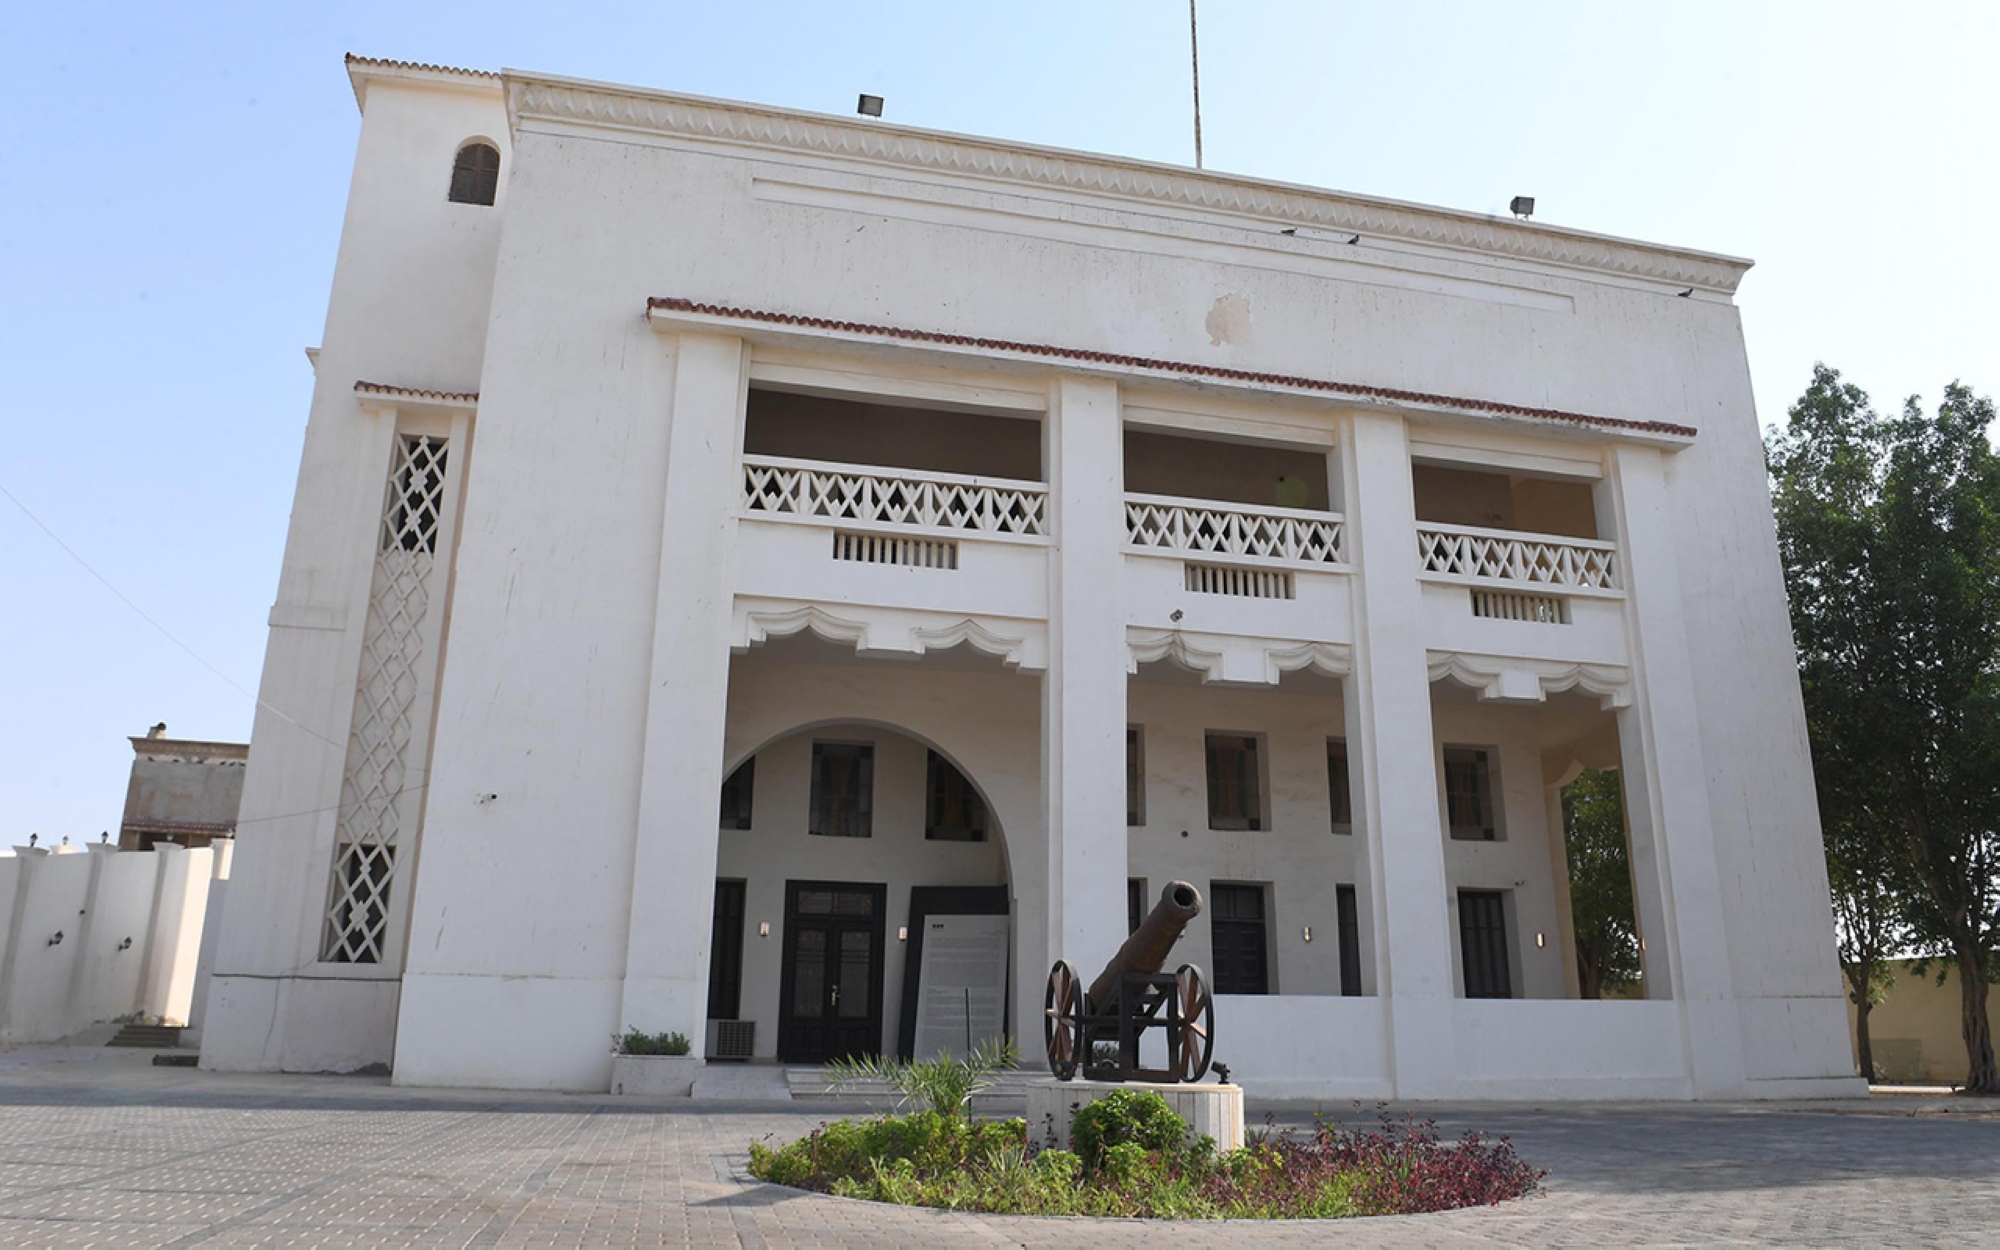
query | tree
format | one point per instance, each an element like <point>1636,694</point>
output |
<point>1890,533</point>
<point>1600,884</point>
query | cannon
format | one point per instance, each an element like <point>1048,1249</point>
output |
<point>1130,997</point>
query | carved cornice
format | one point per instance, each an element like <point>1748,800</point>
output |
<point>561,100</point>
<point>1513,680</point>
<point>1235,659</point>
<point>1150,646</point>
<point>893,631</point>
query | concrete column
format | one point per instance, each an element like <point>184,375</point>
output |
<point>673,867</point>
<point>1393,762</point>
<point>1679,891</point>
<point>1083,693</point>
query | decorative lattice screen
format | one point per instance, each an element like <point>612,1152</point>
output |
<point>364,860</point>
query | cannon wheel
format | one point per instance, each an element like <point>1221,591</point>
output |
<point>1062,1019</point>
<point>1197,1027</point>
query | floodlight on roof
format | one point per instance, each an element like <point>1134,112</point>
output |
<point>869,106</point>
<point>1523,206</point>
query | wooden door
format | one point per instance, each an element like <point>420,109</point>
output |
<point>831,991</point>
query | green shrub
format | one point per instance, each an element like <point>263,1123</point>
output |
<point>1137,1116</point>
<point>636,1042</point>
<point>945,1084</point>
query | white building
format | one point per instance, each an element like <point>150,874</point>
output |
<point>905,488</point>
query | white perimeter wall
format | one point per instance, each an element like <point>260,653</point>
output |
<point>131,925</point>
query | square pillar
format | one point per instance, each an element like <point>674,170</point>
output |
<point>1083,692</point>
<point>1666,783</point>
<point>1393,762</point>
<point>673,863</point>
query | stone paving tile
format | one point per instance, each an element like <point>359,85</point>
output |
<point>110,1153</point>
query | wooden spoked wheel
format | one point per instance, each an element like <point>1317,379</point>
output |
<point>1197,1026</point>
<point>1062,1019</point>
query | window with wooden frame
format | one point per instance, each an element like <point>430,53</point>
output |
<point>1339,798</point>
<point>475,174</point>
<point>1239,938</point>
<point>737,790</point>
<point>1135,776</point>
<point>1347,910</point>
<point>1235,782</point>
<point>843,790</point>
<point>953,810</point>
<point>1482,943</point>
<point>725,953</point>
<point>1468,794</point>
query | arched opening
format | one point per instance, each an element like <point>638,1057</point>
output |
<point>862,899</point>
<point>475,173</point>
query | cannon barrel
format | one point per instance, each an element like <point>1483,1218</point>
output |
<point>1146,950</point>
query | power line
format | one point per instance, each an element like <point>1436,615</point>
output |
<point>164,631</point>
<point>315,811</point>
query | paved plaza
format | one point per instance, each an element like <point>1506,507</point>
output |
<point>98,1148</point>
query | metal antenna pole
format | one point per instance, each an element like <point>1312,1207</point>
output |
<point>1194,53</point>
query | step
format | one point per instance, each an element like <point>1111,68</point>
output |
<point>147,1036</point>
<point>742,1082</point>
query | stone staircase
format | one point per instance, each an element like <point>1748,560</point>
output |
<point>147,1036</point>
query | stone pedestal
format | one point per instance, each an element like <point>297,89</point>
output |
<point>655,1076</point>
<point>1210,1110</point>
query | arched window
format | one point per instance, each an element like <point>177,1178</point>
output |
<point>475,175</point>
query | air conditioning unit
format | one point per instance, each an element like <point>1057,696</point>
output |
<point>735,1039</point>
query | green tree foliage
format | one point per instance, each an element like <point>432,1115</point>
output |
<point>1890,533</point>
<point>1600,884</point>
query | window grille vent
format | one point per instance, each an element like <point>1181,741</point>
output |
<point>916,553</point>
<point>1225,579</point>
<point>735,1039</point>
<point>1506,605</point>
<point>373,785</point>
<point>416,493</point>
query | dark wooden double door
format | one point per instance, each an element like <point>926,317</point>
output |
<point>831,989</point>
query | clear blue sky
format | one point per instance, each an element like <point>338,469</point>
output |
<point>172,179</point>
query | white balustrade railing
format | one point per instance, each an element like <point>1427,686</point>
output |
<point>854,493</point>
<point>1163,523</point>
<point>1461,552</point>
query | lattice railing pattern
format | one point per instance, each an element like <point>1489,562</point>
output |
<point>1235,530</point>
<point>392,646</point>
<point>1519,559</point>
<point>894,497</point>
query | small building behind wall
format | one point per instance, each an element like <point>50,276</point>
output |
<point>746,555</point>
<point>183,791</point>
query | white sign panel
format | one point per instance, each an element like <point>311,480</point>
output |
<point>962,984</point>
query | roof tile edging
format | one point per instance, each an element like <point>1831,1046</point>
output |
<point>1351,389</point>
<point>411,392</point>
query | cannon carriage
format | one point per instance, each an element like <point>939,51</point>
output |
<point>1131,997</point>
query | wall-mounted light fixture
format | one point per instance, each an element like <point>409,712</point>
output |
<point>902,933</point>
<point>1541,940</point>
<point>869,105</point>
<point>1306,933</point>
<point>763,928</point>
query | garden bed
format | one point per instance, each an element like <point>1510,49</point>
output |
<point>1131,1156</point>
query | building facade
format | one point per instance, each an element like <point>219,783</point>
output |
<point>734,546</point>
<point>183,791</point>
